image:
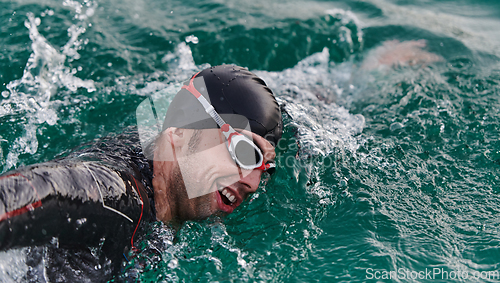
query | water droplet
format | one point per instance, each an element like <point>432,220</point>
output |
<point>193,39</point>
<point>89,12</point>
<point>173,263</point>
<point>80,222</point>
<point>396,126</point>
<point>54,241</point>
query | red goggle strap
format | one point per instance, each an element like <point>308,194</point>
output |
<point>265,167</point>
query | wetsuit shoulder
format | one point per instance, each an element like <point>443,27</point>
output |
<point>100,193</point>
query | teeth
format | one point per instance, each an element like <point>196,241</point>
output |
<point>229,195</point>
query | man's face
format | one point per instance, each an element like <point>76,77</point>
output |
<point>208,181</point>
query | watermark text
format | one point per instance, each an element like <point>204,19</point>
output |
<point>435,273</point>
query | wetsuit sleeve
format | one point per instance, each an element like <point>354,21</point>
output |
<point>72,204</point>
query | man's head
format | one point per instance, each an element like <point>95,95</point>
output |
<point>198,167</point>
<point>237,94</point>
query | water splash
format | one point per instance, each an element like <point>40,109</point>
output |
<point>17,258</point>
<point>308,92</point>
<point>45,74</point>
<point>193,39</point>
<point>345,37</point>
<point>83,13</point>
<point>182,60</point>
<point>181,67</point>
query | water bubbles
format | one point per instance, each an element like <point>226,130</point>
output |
<point>47,115</point>
<point>345,193</point>
<point>55,242</point>
<point>47,12</point>
<point>174,263</point>
<point>343,182</point>
<point>110,64</point>
<point>5,94</point>
<point>80,222</point>
<point>396,126</point>
<point>192,38</point>
<point>307,234</point>
<point>90,12</point>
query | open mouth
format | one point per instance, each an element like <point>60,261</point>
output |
<point>226,200</point>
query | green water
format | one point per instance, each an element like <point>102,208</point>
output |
<point>394,169</point>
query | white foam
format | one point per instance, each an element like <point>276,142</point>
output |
<point>182,60</point>
<point>309,91</point>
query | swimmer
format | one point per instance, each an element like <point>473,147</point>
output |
<point>216,142</point>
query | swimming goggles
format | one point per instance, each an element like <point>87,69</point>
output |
<point>243,151</point>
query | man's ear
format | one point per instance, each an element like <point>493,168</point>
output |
<point>176,136</point>
<point>171,142</point>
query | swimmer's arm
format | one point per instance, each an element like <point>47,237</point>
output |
<point>68,203</point>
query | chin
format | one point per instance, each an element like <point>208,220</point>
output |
<point>202,207</point>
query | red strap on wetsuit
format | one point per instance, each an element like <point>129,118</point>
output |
<point>140,217</point>
<point>24,209</point>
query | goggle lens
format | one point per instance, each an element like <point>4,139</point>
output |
<point>246,154</point>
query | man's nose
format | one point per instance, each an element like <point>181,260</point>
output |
<point>251,181</point>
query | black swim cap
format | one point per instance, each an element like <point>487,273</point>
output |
<point>231,90</point>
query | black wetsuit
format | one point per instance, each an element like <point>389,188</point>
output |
<point>86,207</point>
